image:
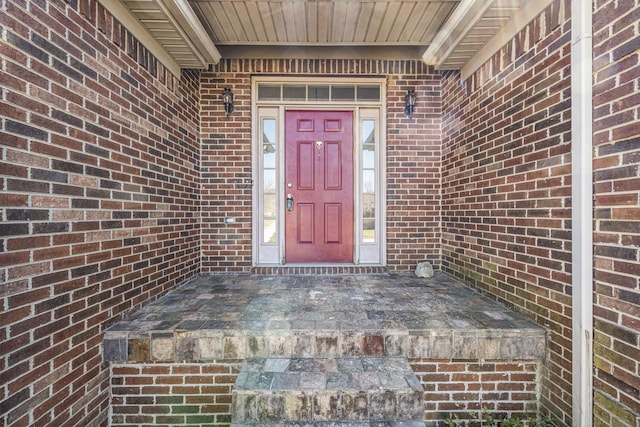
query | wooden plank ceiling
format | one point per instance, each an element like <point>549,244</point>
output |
<point>446,33</point>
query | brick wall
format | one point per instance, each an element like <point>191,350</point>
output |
<point>463,389</point>
<point>413,158</point>
<point>226,174</point>
<point>194,394</point>
<point>199,394</point>
<point>506,187</point>
<point>99,200</point>
<point>413,171</point>
<point>99,173</point>
<point>616,104</point>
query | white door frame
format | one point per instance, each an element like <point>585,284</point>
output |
<point>268,118</point>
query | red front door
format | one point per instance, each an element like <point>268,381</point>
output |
<point>319,179</point>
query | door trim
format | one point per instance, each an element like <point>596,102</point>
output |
<point>272,253</point>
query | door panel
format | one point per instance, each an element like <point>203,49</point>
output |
<point>333,166</point>
<point>305,171</point>
<point>333,217</point>
<point>305,215</point>
<point>319,169</point>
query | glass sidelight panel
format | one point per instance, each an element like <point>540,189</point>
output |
<point>270,227</point>
<point>368,132</point>
<point>269,181</point>
<point>269,206</point>
<point>269,184</point>
<point>269,155</point>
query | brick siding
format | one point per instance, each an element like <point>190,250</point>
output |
<point>413,158</point>
<point>193,394</point>
<point>199,394</point>
<point>100,188</point>
<point>107,200</point>
<point>616,113</point>
<point>463,389</point>
<point>506,187</point>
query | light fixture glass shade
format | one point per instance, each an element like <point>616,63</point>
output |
<point>227,99</point>
<point>409,103</point>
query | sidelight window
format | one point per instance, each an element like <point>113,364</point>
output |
<point>269,177</point>
<point>368,144</point>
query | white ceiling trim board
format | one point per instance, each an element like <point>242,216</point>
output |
<point>131,23</point>
<point>463,19</point>
<point>518,21</point>
<point>192,30</point>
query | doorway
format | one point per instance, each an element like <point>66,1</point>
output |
<point>320,141</point>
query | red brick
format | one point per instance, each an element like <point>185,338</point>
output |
<point>13,258</point>
<point>511,176</point>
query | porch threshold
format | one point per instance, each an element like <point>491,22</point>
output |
<point>318,269</point>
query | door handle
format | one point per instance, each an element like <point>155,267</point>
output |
<point>289,202</point>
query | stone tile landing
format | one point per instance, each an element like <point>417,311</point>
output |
<point>252,316</point>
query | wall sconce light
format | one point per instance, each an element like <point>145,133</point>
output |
<point>409,103</point>
<point>227,99</point>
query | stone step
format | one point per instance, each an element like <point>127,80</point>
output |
<point>358,391</point>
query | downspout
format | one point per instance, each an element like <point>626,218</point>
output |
<point>582,211</point>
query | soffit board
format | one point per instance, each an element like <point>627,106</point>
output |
<point>322,23</point>
<point>175,29</point>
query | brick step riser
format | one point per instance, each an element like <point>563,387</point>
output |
<point>308,390</point>
<point>334,424</point>
<point>325,406</point>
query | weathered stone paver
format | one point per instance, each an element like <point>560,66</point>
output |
<point>254,316</point>
<point>380,389</point>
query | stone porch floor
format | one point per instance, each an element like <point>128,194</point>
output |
<point>252,316</point>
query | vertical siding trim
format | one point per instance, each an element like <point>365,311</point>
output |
<point>582,210</point>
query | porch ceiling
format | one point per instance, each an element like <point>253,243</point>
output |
<point>445,33</point>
